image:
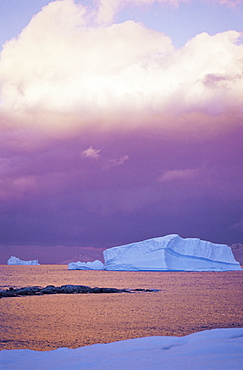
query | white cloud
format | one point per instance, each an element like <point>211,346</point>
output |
<point>122,159</point>
<point>106,162</point>
<point>107,9</point>
<point>91,153</point>
<point>17,188</point>
<point>184,175</point>
<point>237,226</point>
<point>116,161</point>
<point>62,75</point>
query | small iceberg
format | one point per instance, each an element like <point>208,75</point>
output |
<point>95,265</point>
<point>17,261</point>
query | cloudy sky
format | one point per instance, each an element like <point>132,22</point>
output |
<point>120,120</point>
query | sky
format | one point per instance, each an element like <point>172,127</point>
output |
<point>119,121</point>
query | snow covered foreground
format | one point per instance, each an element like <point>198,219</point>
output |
<point>166,253</point>
<point>210,349</point>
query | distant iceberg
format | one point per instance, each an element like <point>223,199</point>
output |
<point>171,253</point>
<point>16,261</point>
<point>95,265</point>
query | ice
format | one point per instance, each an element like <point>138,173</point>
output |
<point>95,265</point>
<point>166,253</point>
<point>171,253</point>
<point>16,261</point>
<point>210,349</point>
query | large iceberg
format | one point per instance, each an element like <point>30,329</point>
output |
<point>171,253</point>
<point>16,261</point>
<point>95,265</point>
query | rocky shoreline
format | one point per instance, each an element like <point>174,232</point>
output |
<point>65,289</point>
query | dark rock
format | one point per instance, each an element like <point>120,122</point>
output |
<point>145,290</point>
<point>65,289</point>
<point>7,293</point>
<point>96,290</point>
<point>111,290</point>
<point>107,290</point>
<point>83,289</point>
<point>49,289</point>
<point>26,290</point>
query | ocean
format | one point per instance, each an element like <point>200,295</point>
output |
<point>186,303</point>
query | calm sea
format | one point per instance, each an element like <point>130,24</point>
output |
<point>188,302</point>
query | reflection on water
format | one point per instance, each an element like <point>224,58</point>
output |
<point>187,302</point>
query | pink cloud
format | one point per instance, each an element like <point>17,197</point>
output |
<point>229,3</point>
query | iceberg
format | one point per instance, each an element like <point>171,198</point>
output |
<point>95,265</point>
<point>171,253</point>
<point>16,261</point>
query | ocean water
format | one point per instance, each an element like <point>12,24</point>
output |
<point>187,302</point>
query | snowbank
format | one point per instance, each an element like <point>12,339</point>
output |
<point>211,349</point>
<point>16,261</point>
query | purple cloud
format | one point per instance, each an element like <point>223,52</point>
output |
<point>105,142</point>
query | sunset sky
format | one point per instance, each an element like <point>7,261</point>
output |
<point>120,120</point>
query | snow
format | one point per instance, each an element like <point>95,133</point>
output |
<point>210,349</point>
<point>171,253</point>
<point>95,265</point>
<point>16,261</point>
